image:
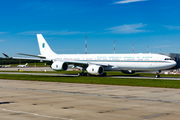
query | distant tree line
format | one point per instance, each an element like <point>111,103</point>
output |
<point>6,61</point>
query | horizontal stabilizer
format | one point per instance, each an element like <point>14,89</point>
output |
<point>5,55</point>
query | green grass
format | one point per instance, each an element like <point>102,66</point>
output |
<point>109,73</point>
<point>98,80</point>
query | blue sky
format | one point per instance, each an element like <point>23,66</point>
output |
<point>65,23</point>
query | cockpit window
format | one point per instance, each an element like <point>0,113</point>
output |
<point>168,59</point>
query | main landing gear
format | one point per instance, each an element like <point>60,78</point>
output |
<point>157,73</point>
<point>87,74</point>
<point>82,73</point>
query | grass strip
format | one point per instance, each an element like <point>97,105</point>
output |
<point>98,80</point>
<point>109,73</point>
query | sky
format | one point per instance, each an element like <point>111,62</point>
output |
<point>65,23</point>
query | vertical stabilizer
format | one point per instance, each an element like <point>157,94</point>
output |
<point>44,48</point>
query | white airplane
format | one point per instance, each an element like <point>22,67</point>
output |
<point>96,64</point>
<point>23,65</point>
<point>5,66</point>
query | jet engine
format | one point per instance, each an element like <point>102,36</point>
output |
<point>128,71</point>
<point>95,69</point>
<point>59,66</point>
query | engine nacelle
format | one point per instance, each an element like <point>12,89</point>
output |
<point>95,69</point>
<point>128,71</point>
<point>59,66</point>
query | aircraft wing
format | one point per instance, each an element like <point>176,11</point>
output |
<point>42,58</point>
<point>82,63</point>
<point>21,58</point>
<point>39,56</point>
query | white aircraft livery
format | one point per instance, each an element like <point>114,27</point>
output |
<point>96,64</point>
<point>5,66</point>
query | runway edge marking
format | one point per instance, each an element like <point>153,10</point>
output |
<point>34,114</point>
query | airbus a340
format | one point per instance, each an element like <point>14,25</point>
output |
<point>96,64</point>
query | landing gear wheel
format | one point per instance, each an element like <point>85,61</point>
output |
<point>82,74</point>
<point>157,76</point>
<point>79,74</point>
<point>104,74</point>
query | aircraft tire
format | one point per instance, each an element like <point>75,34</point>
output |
<point>104,74</point>
<point>157,76</point>
<point>79,74</point>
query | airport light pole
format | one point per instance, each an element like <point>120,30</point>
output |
<point>86,44</point>
<point>133,48</point>
<point>114,46</point>
<point>19,61</point>
<point>147,49</point>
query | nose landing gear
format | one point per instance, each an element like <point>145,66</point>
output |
<point>157,73</point>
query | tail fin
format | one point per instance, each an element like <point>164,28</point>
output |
<point>44,48</point>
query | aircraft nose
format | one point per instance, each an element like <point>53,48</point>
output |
<point>174,63</point>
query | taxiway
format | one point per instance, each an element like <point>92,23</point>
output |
<point>29,100</point>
